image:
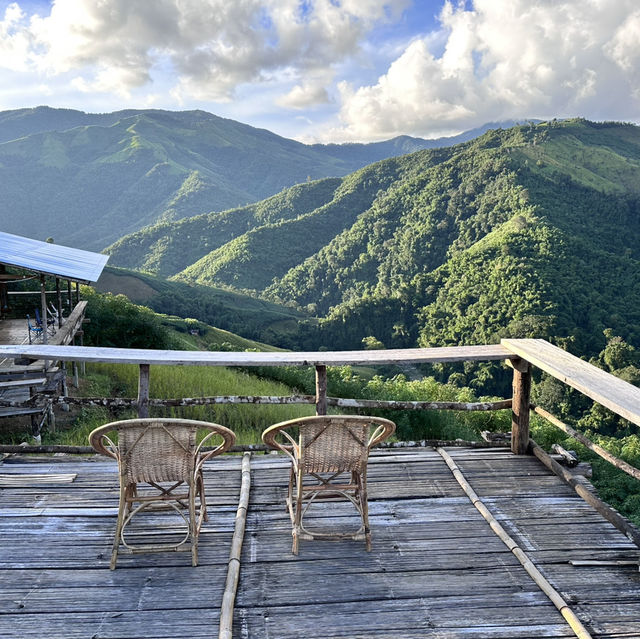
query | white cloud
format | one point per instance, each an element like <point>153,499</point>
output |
<point>505,59</point>
<point>14,40</point>
<point>358,66</point>
<point>211,46</point>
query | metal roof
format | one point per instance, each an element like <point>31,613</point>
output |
<point>51,259</point>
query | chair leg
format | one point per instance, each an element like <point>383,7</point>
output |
<point>192,524</point>
<point>364,507</point>
<point>297,523</point>
<point>203,502</point>
<point>122,506</point>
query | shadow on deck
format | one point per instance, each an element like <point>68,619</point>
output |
<point>436,569</point>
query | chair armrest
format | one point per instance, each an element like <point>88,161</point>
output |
<point>98,437</point>
<point>228,440</point>
<point>291,449</point>
<point>385,429</point>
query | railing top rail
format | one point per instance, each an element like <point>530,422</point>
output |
<point>282,358</point>
<point>610,391</point>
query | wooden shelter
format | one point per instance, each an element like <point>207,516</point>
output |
<point>23,259</point>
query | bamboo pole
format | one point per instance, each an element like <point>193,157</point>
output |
<point>611,515</point>
<point>233,571</point>
<point>570,617</point>
<point>612,459</point>
<point>122,402</point>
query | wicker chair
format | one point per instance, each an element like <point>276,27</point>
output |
<point>162,459</point>
<point>325,449</point>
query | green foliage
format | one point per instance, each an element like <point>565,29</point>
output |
<point>117,322</point>
<point>525,232</point>
<point>228,310</point>
<point>246,420</point>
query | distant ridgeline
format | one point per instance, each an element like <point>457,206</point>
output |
<point>528,231</point>
<point>88,179</point>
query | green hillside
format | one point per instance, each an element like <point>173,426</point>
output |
<point>531,230</point>
<point>170,247</point>
<point>249,317</point>
<point>88,179</point>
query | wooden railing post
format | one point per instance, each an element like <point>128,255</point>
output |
<point>59,302</point>
<point>520,406</point>
<point>69,297</point>
<point>321,390</point>
<point>143,391</point>
<point>43,309</point>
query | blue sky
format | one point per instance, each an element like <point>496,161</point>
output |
<point>328,70</point>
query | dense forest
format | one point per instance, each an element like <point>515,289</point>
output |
<point>528,231</point>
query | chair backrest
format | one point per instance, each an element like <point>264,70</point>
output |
<point>35,329</point>
<point>157,449</point>
<point>155,452</point>
<point>332,443</point>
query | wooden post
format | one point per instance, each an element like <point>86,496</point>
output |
<point>69,298</point>
<point>321,390</point>
<point>63,385</point>
<point>77,293</point>
<point>83,364</point>
<point>143,391</point>
<point>59,302</point>
<point>520,406</point>
<point>43,305</point>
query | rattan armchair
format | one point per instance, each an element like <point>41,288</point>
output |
<point>322,451</point>
<point>160,464</point>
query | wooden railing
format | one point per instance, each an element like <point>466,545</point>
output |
<point>520,354</point>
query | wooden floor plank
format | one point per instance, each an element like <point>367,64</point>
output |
<point>436,568</point>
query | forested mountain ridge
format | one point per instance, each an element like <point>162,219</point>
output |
<point>529,231</point>
<point>88,179</point>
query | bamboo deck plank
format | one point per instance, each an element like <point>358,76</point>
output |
<point>436,568</point>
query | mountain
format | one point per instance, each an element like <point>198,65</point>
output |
<point>88,179</point>
<point>529,231</point>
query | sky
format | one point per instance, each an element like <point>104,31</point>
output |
<point>328,70</point>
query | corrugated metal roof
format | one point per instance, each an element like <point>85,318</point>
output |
<point>51,259</point>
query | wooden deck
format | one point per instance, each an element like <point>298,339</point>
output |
<point>436,569</point>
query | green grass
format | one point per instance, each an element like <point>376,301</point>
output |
<point>246,420</point>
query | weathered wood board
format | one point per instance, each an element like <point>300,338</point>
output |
<point>614,393</point>
<point>436,568</point>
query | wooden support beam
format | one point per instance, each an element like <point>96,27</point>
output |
<point>520,408</point>
<point>43,307</point>
<point>143,391</point>
<point>321,390</point>
<point>59,302</point>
